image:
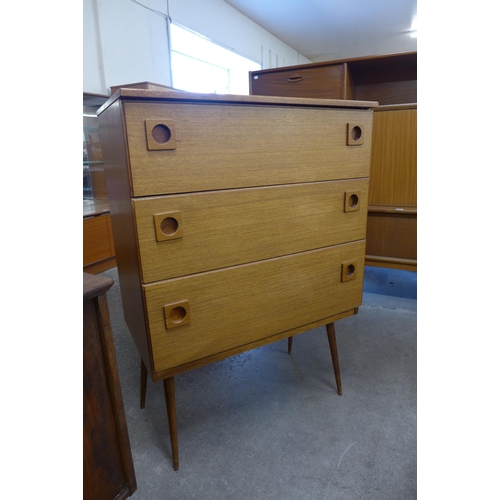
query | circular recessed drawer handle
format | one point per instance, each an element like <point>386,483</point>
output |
<point>295,79</point>
<point>349,270</point>
<point>160,135</point>
<point>355,134</point>
<point>177,314</point>
<point>352,201</point>
<point>168,226</point>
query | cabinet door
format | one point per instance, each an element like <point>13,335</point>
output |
<point>392,237</point>
<point>326,82</point>
<point>97,239</point>
<point>393,175</point>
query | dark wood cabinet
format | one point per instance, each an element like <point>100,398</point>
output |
<point>327,82</point>
<point>108,470</point>
<point>390,80</point>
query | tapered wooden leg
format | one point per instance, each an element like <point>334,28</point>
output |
<point>290,343</point>
<point>144,383</point>
<point>168,385</point>
<point>330,331</point>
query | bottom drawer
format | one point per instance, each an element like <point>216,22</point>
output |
<point>208,313</point>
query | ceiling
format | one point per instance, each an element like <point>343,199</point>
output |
<point>323,30</point>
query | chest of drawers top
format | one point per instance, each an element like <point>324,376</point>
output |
<point>172,95</point>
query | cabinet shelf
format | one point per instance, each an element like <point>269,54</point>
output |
<point>392,210</point>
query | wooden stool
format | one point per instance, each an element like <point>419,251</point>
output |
<point>169,389</point>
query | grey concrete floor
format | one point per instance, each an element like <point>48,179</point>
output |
<point>266,425</point>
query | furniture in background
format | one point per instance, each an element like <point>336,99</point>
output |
<point>143,85</point>
<point>390,80</point>
<point>98,246</point>
<point>391,239</point>
<point>108,469</point>
<point>238,221</point>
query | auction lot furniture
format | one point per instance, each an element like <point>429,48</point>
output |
<point>237,221</point>
<point>108,470</point>
<point>391,80</point>
<point>98,247</point>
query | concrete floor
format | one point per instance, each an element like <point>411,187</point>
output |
<point>266,425</point>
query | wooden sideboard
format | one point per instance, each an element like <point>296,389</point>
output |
<point>390,80</point>
<point>98,245</point>
<point>237,220</point>
<point>108,469</point>
<point>391,238</point>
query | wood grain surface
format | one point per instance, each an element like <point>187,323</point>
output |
<point>241,304</point>
<point>226,228</point>
<point>232,146</point>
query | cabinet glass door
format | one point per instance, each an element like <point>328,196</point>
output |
<point>95,198</point>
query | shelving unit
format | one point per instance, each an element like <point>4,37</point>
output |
<point>98,246</point>
<point>391,80</point>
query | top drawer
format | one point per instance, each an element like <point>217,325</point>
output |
<point>326,82</point>
<point>180,148</point>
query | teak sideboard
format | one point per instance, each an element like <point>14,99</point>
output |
<point>237,220</point>
<point>391,80</point>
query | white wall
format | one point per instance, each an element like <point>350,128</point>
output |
<point>126,41</point>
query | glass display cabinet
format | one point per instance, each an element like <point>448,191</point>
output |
<point>98,247</point>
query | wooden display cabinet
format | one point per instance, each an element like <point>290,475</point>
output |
<point>98,246</point>
<point>390,80</point>
<point>391,239</point>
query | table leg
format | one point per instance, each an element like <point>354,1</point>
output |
<point>330,331</point>
<point>290,342</point>
<point>168,385</point>
<point>144,383</point>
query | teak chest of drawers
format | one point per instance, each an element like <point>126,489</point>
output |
<point>237,221</point>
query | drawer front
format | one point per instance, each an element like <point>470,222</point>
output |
<point>187,234</point>
<point>392,236</point>
<point>220,146</point>
<point>325,82</point>
<point>200,315</point>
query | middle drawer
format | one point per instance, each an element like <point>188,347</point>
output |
<point>185,234</point>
